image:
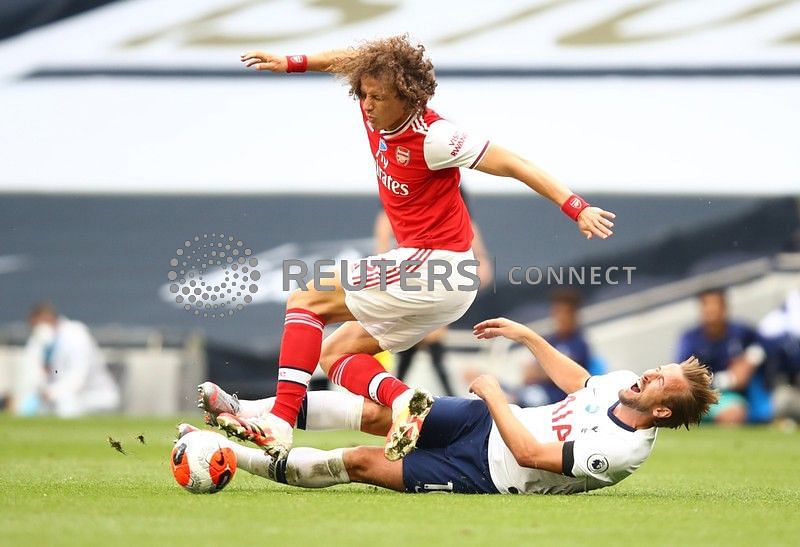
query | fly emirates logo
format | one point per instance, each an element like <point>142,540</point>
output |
<point>395,187</point>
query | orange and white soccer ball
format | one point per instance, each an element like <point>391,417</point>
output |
<point>201,463</point>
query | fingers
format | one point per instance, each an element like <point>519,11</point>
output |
<point>260,61</point>
<point>486,330</point>
<point>601,230</point>
<point>251,55</point>
<point>484,324</point>
<point>598,223</point>
<point>259,64</point>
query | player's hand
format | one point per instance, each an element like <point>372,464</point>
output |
<point>492,328</point>
<point>486,387</point>
<point>594,221</point>
<point>261,60</point>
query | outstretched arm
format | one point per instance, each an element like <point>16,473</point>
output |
<point>592,221</point>
<point>318,62</point>
<point>523,445</point>
<point>568,375</point>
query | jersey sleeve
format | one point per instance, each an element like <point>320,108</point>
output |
<point>446,145</point>
<point>613,381</point>
<point>600,457</point>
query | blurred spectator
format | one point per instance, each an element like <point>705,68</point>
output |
<point>384,241</point>
<point>536,389</point>
<point>63,370</point>
<point>734,353</point>
<point>781,332</point>
<point>30,376</point>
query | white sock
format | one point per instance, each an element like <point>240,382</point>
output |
<point>325,410</point>
<point>252,460</point>
<point>312,468</point>
<point>305,467</point>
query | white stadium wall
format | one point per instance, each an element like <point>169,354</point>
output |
<point>612,96</point>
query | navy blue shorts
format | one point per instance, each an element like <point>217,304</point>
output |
<point>452,451</point>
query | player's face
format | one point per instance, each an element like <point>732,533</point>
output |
<point>651,389</point>
<point>565,318</point>
<point>385,110</point>
<point>712,309</point>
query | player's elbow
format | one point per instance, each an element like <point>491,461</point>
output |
<point>527,457</point>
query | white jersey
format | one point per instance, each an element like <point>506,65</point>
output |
<point>599,449</point>
<point>80,381</point>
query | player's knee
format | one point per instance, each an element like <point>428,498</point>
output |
<point>358,461</point>
<point>312,300</point>
<point>375,419</point>
<point>328,356</point>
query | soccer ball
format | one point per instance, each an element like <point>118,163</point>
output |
<point>201,464</point>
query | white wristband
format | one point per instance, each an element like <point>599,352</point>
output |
<point>723,380</point>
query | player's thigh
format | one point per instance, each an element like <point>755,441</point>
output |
<point>438,470</point>
<point>326,298</point>
<point>400,314</point>
<point>351,337</point>
<point>367,464</point>
<point>451,420</point>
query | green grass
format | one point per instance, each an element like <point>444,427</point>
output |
<point>61,484</point>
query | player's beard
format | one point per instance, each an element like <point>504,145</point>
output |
<point>633,402</point>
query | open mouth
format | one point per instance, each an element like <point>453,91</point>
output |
<point>635,387</point>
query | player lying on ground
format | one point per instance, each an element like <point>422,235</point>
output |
<point>417,159</point>
<point>597,436</point>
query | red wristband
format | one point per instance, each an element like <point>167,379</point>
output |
<point>573,206</point>
<point>296,63</point>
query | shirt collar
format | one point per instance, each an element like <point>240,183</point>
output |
<point>617,421</point>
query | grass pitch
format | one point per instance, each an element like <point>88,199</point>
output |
<point>61,484</point>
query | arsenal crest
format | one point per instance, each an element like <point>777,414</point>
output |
<point>403,155</point>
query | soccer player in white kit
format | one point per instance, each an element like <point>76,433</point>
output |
<point>598,435</point>
<point>417,156</point>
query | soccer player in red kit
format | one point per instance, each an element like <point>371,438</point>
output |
<point>417,159</point>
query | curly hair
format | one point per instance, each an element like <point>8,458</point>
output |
<point>391,59</point>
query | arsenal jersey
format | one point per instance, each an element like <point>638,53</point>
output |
<point>417,166</point>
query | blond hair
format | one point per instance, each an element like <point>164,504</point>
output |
<point>689,405</point>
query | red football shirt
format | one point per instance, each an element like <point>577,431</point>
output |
<point>417,166</point>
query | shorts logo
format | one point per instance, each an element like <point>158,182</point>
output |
<point>403,155</point>
<point>382,146</point>
<point>597,463</point>
<point>592,408</point>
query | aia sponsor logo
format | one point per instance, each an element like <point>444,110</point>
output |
<point>403,155</point>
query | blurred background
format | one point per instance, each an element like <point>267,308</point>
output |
<point>129,128</point>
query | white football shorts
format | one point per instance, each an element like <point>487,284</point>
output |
<point>398,316</point>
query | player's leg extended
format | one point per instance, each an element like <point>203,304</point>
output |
<point>307,313</point>
<point>347,358</point>
<point>312,468</point>
<point>361,373</point>
<point>320,411</point>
